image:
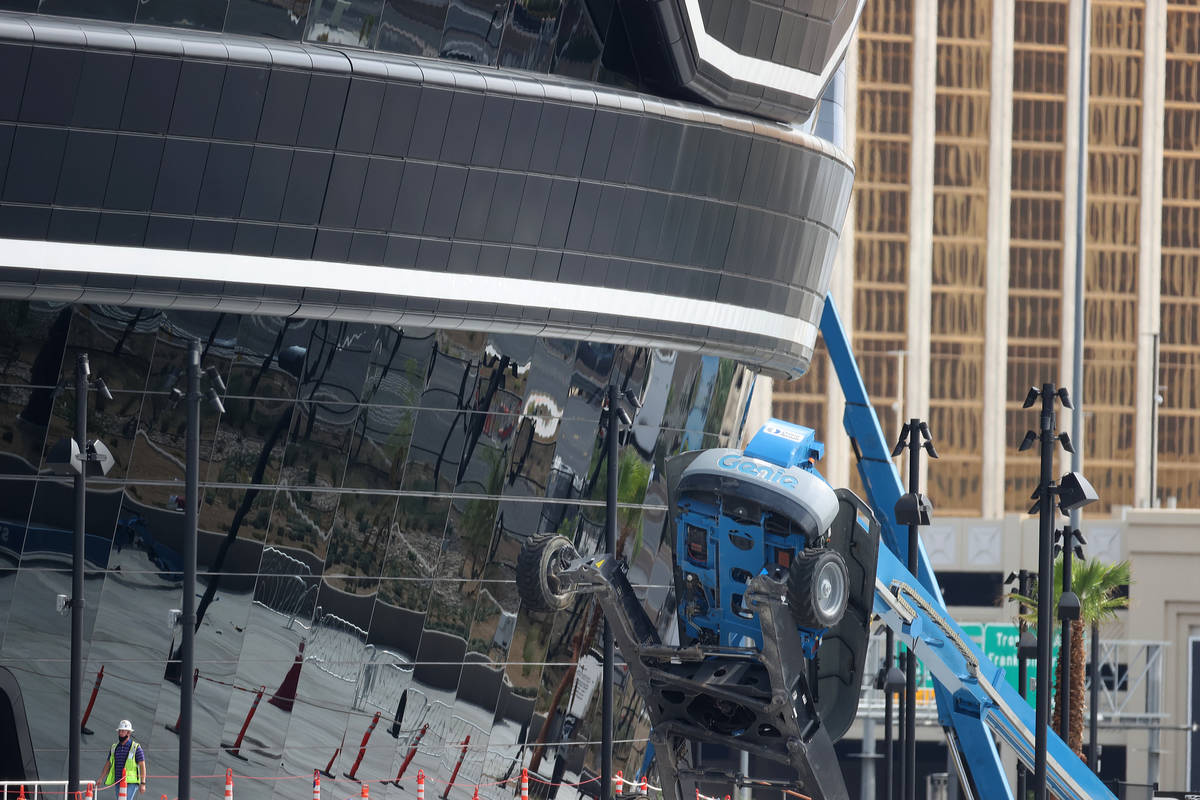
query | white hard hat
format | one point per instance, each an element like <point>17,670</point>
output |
<point>125,725</point>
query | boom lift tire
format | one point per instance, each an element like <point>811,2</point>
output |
<point>818,588</point>
<point>542,559</point>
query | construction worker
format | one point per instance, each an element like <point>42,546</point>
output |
<point>126,757</point>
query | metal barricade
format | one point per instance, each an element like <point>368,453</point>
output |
<point>43,790</point>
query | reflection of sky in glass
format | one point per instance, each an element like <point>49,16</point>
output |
<point>694,437</point>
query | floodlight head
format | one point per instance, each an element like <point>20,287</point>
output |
<point>214,400</point>
<point>63,457</point>
<point>930,449</point>
<point>623,416</point>
<point>890,679</point>
<point>1027,442</point>
<point>1027,645</point>
<point>1068,606</point>
<point>102,388</point>
<point>913,509</point>
<point>1079,551</point>
<point>901,440</point>
<point>176,394</point>
<point>1075,492</point>
<point>1031,397</point>
<point>215,377</point>
<point>1064,397</point>
<point>1012,578</point>
<point>1065,441</point>
<point>632,397</point>
<point>99,459</point>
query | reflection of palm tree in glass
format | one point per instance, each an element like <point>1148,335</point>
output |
<point>334,349</point>
<point>383,373</point>
<point>479,520</point>
<point>266,364</point>
<point>44,373</point>
<point>256,479</point>
<point>583,642</point>
<point>479,418</point>
<point>633,475</point>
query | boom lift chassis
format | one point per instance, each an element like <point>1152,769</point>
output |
<point>764,695</point>
<point>761,700</point>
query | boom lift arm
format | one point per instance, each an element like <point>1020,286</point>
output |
<point>973,699</point>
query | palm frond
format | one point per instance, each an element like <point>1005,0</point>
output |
<point>1096,584</point>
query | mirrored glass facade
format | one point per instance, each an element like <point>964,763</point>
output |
<point>364,497</point>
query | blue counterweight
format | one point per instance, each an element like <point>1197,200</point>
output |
<point>742,513</point>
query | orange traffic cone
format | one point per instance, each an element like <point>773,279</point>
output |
<point>366,792</point>
<point>122,790</point>
<point>228,785</point>
<point>524,784</point>
<point>316,784</point>
<point>420,785</point>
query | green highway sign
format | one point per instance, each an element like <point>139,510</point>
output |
<point>998,641</point>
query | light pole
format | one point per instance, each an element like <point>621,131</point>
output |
<point>1026,649</point>
<point>191,495</point>
<point>891,680</point>
<point>79,457</point>
<point>618,421</point>
<point>610,546</point>
<point>912,509</point>
<point>1073,493</point>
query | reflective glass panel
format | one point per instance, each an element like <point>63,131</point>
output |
<point>350,22</point>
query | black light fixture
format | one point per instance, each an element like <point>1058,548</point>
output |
<point>187,618</point>
<point>1074,492</point>
<point>913,509</point>
<point>1070,494</point>
<point>617,421</point>
<point>1027,645</point>
<point>1068,606</point>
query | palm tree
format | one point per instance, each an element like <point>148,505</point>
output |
<point>1096,584</point>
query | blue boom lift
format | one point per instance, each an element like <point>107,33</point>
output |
<point>779,578</point>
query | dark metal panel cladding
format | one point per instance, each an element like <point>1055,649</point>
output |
<point>636,218</point>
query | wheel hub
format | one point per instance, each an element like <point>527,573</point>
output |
<point>830,589</point>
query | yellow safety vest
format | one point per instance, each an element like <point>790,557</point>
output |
<point>131,767</point>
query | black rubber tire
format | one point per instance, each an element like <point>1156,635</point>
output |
<point>815,574</point>
<point>537,567</point>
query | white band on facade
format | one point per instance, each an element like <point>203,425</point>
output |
<point>399,282</point>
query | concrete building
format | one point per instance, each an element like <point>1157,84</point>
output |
<point>957,275</point>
